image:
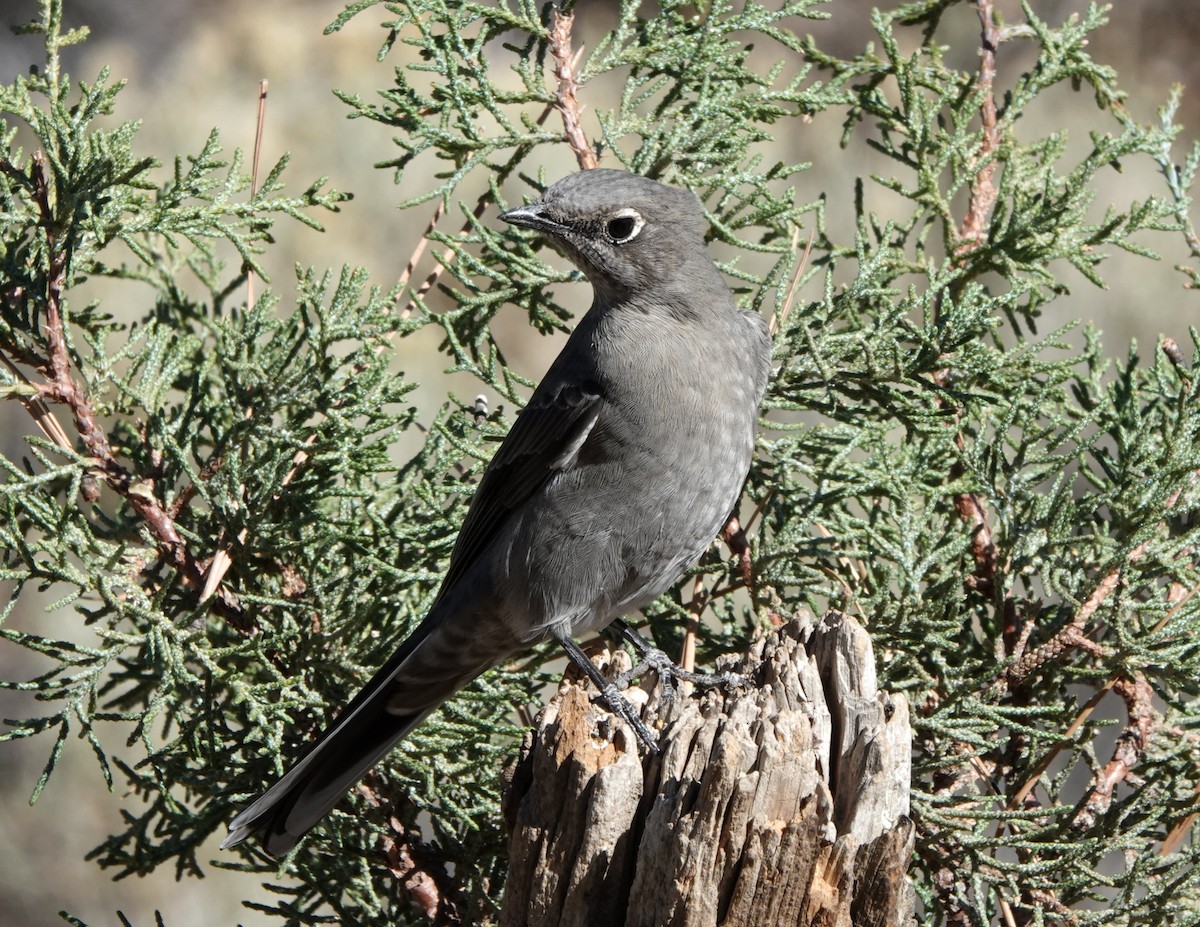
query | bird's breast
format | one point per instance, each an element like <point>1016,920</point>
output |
<point>649,488</point>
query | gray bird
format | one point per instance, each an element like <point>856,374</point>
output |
<point>616,477</point>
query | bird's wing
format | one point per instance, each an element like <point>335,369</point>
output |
<point>544,440</point>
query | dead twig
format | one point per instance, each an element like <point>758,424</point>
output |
<point>481,206</point>
<point>1127,751</point>
<point>432,888</point>
<point>972,231</point>
<point>38,410</point>
<point>970,234</point>
<point>566,64</point>
<point>1179,833</point>
<point>778,318</point>
<point>687,657</point>
<point>258,137</point>
<point>222,559</point>
<point>735,537</point>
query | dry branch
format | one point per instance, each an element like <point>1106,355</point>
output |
<point>970,234</point>
<point>734,535</point>
<point>566,63</point>
<point>430,886</point>
<point>1127,751</point>
<point>972,231</point>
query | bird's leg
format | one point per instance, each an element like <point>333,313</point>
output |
<point>611,694</point>
<point>669,672</point>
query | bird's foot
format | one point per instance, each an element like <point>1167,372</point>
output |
<point>670,673</point>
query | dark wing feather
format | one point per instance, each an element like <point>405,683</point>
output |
<point>544,440</point>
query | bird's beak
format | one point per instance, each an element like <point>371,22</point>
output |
<point>533,216</point>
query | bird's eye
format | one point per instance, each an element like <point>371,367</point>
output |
<point>624,226</point>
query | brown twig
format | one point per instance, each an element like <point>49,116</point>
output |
<point>972,231</point>
<point>419,252</point>
<point>1180,832</point>
<point>983,548</point>
<point>946,887</point>
<point>420,885</point>
<point>430,281</point>
<point>1127,751</point>
<point>185,496</point>
<point>410,266</point>
<point>970,235</point>
<point>38,410</point>
<point>566,63</point>
<point>687,656</point>
<point>222,559</point>
<point>778,318</point>
<point>972,510</point>
<point>432,888</point>
<point>735,537</point>
<point>481,206</point>
<point>1072,636</point>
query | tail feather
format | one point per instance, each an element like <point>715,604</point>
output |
<point>398,698</point>
<point>311,788</point>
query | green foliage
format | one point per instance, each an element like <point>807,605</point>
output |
<point>913,397</point>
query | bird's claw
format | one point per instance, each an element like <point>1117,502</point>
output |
<point>670,674</point>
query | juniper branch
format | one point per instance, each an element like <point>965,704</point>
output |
<point>62,387</point>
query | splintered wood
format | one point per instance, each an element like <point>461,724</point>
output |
<point>784,802</point>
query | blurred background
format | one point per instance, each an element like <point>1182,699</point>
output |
<point>194,66</point>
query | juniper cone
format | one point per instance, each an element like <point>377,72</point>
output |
<point>616,476</point>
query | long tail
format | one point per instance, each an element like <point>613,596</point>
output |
<point>430,666</point>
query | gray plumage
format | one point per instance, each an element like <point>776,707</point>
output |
<point>616,476</point>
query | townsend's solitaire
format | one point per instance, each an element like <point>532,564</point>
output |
<point>616,476</point>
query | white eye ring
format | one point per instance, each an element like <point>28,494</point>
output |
<point>624,226</point>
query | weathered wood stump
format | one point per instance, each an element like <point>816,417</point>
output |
<point>781,803</point>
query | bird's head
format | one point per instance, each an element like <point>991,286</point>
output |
<point>627,233</point>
